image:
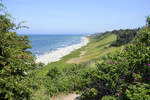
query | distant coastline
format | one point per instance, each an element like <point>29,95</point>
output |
<point>56,55</point>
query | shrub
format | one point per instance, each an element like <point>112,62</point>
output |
<point>125,74</point>
<point>54,73</point>
<point>108,98</point>
<point>138,91</point>
<point>89,94</point>
<point>124,36</point>
<point>15,61</point>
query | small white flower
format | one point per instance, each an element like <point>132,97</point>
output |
<point>25,73</point>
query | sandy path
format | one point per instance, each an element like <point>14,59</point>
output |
<point>82,53</point>
<point>78,59</point>
<point>67,97</point>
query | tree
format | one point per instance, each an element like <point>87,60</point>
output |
<point>15,60</point>
<point>148,21</point>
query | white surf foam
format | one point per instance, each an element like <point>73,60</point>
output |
<point>59,53</point>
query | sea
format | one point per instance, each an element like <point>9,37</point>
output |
<point>42,44</point>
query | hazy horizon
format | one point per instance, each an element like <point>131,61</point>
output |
<point>78,17</point>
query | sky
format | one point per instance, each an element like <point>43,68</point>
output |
<point>78,16</point>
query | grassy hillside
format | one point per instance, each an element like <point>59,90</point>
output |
<point>67,75</point>
<point>95,49</point>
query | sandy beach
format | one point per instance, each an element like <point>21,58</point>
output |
<point>59,53</point>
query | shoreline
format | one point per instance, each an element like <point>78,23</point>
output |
<point>56,55</point>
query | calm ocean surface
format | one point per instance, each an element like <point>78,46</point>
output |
<point>42,44</point>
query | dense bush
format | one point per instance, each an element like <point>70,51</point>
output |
<point>15,61</point>
<point>108,98</point>
<point>125,75</point>
<point>89,94</point>
<point>54,73</point>
<point>71,78</point>
<point>124,36</point>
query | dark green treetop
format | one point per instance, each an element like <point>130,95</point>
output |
<point>148,21</point>
<point>15,60</point>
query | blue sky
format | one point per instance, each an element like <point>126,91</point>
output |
<point>78,16</point>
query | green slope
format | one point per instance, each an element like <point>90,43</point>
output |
<point>45,86</point>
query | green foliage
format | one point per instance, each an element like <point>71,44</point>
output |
<point>108,98</point>
<point>68,79</point>
<point>89,94</point>
<point>148,21</point>
<point>125,75</point>
<point>15,61</point>
<point>145,36</point>
<point>138,92</point>
<point>124,36</point>
<point>54,73</point>
<point>100,36</point>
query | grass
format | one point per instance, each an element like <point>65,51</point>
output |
<point>95,49</point>
<point>87,55</point>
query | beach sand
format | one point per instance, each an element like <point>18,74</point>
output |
<point>59,53</point>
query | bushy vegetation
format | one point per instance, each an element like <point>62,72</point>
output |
<point>71,77</point>
<point>15,61</point>
<point>124,75</point>
<point>124,36</point>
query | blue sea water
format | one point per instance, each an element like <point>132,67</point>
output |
<point>42,44</point>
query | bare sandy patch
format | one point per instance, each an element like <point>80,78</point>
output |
<point>67,97</point>
<point>78,59</point>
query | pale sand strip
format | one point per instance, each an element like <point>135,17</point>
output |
<point>58,54</point>
<point>67,97</point>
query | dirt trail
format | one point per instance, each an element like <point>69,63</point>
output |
<point>78,59</point>
<point>67,97</point>
<point>82,53</point>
